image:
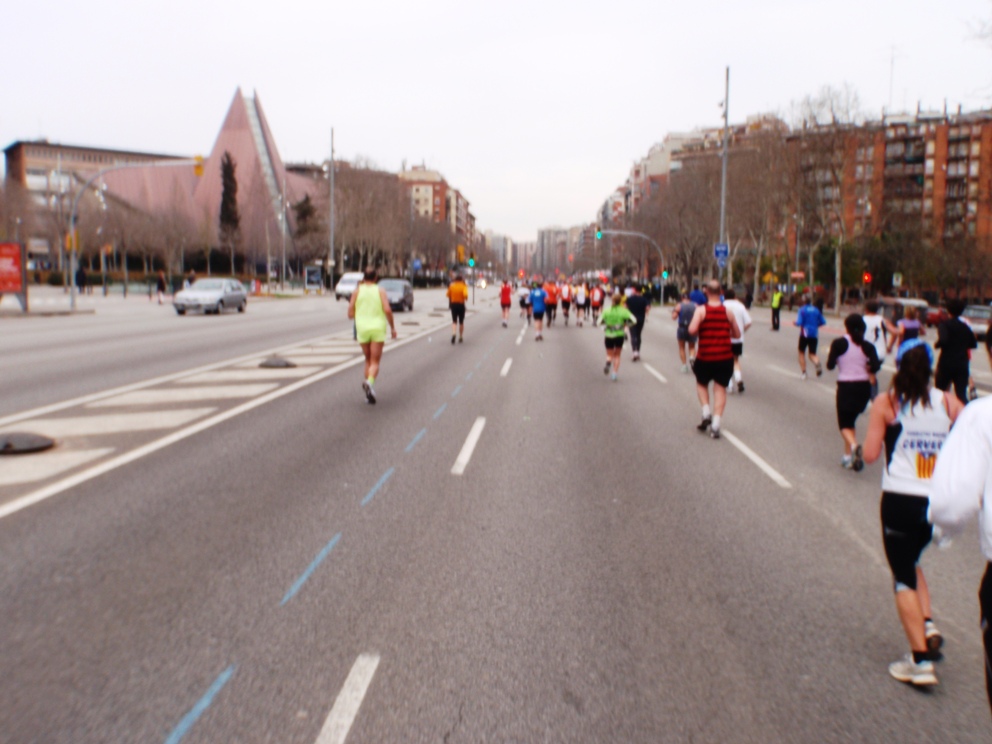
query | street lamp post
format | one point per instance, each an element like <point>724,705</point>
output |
<point>723,174</point>
<point>197,163</point>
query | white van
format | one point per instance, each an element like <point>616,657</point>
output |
<point>347,284</point>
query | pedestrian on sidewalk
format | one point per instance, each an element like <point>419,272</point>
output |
<point>743,318</point>
<point>776,308</point>
<point>457,297</point>
<point>683,313</point>
<point>955,339</point>
<point>961,487</point>
<point>715,325</point>
<point>615,322</point>
<point>911,422</point>
<point>160,286</point>
<point>369,308</point>
<point>856,363</point>
<point>639,306</point>
<point>809,320</point>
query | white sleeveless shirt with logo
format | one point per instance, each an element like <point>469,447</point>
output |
<point>912,443</point>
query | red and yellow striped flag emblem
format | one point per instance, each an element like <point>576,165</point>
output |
<point>925,465</point>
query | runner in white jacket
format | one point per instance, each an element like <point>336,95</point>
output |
<point>961,487</point>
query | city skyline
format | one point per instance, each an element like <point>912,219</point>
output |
<point>501,100</point>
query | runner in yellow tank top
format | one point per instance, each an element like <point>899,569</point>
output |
<point>369,308</point>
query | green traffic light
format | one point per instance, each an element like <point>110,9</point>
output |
<point>664,274</point>
<point>471,262</point>
<point>599,235</point>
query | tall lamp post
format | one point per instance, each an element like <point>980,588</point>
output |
<point>723,174</point>
<point>197,164</point>
<point>330,247</point>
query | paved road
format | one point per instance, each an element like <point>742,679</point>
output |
<point>593,570</point>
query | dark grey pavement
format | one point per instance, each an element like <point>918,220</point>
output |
<point>600,572</point>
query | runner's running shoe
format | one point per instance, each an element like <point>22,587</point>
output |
<point>369,392</point>
<point>934,639</point>
<point>705,423</point>
<point>606,367</point>
<point>920,674</point>
<point>858,462</point>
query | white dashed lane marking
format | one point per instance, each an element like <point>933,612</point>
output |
<point>469,447</point>
<point>342,716</point>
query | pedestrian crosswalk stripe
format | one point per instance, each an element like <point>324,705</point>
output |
<point>114,423</point>
<point>312,360</point>
<point>180,394</point>
<point>28,468</point>
<point>249,375</point>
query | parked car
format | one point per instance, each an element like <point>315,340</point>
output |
<point>399,292</point>
<point>978,317</point>
<point>936,315</point>
<point>212,295</point>
<point>347,284</point>
<point>894,308</point>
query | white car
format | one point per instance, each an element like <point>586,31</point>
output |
<point>212,295</point>
<point>978,317</point>
<point>346,284</point>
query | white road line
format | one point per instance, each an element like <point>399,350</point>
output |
<point>248,375</point>
<point>655,372</point>
<point>304,360</point>
<point>183,394</point>
<point>18,469</point>
<point>754,457</point>
<point>125,458</point>
<point>114,423</point>
<point>42,410</point>
<point>506,367</point>
<point>469,447</point>
<point>349,700</point>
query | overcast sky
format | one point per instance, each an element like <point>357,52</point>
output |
<point>535,110</point>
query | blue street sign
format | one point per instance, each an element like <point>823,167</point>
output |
<point>721,250</point>
<point>721,262</point>
<point>417,265</point>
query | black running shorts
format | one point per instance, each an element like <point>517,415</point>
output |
<point>538,315</point>
<point>805,342</point>
<point>614,342</point>
<point>852,400</point>
<point>737,348</point>
<point>718,372</point>
<point>458,313</point>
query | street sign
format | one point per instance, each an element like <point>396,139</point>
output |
<point>897,279</point>
<point>417,265</point>
<point>13,272</point>
<point>721,250</point>
<point>312,281</point>
<point>721,261</point>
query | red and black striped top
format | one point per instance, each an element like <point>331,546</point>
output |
<point>714,336</point>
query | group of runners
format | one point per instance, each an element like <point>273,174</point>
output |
<point>933,476</point>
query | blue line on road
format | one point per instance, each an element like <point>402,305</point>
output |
<point>420,435</point>
<point>456,391</point>
<point>439,411</point>
<point>201,706</point>
<point>311,568</point>
<point>469,376</point>
<point>375,489</point>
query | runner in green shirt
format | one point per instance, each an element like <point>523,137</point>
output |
<point>615,322</point>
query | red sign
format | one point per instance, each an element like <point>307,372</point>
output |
<point>11,268</point>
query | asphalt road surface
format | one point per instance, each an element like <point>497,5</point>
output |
<point>508,547</point>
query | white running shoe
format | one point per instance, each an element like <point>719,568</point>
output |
<point>845,462</point>
<point>934,639</point>
<point>920,674</point>
<point>369,392</point>
<point>802,376</point>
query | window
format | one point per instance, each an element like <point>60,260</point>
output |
<point>973,169</point>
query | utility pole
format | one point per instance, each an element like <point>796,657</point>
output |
<point>723,175</point>
<point>282,278</point>
<point>330,250</point>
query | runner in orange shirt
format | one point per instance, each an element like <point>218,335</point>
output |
<point>551,303</point>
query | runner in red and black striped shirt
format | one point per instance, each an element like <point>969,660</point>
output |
<point>714,325</point>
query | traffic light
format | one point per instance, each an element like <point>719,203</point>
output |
<point>471,261</point>
<point>198,166</point>
<point>521,273</point>
<point>664,274</point>
<point>866,277</point>
<point>599,233</point>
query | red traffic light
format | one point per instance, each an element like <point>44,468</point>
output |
<point>866,277</point>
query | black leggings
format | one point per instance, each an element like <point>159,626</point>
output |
<point>905,533</point>
<point>985,602</point>
<point>635,336</point>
